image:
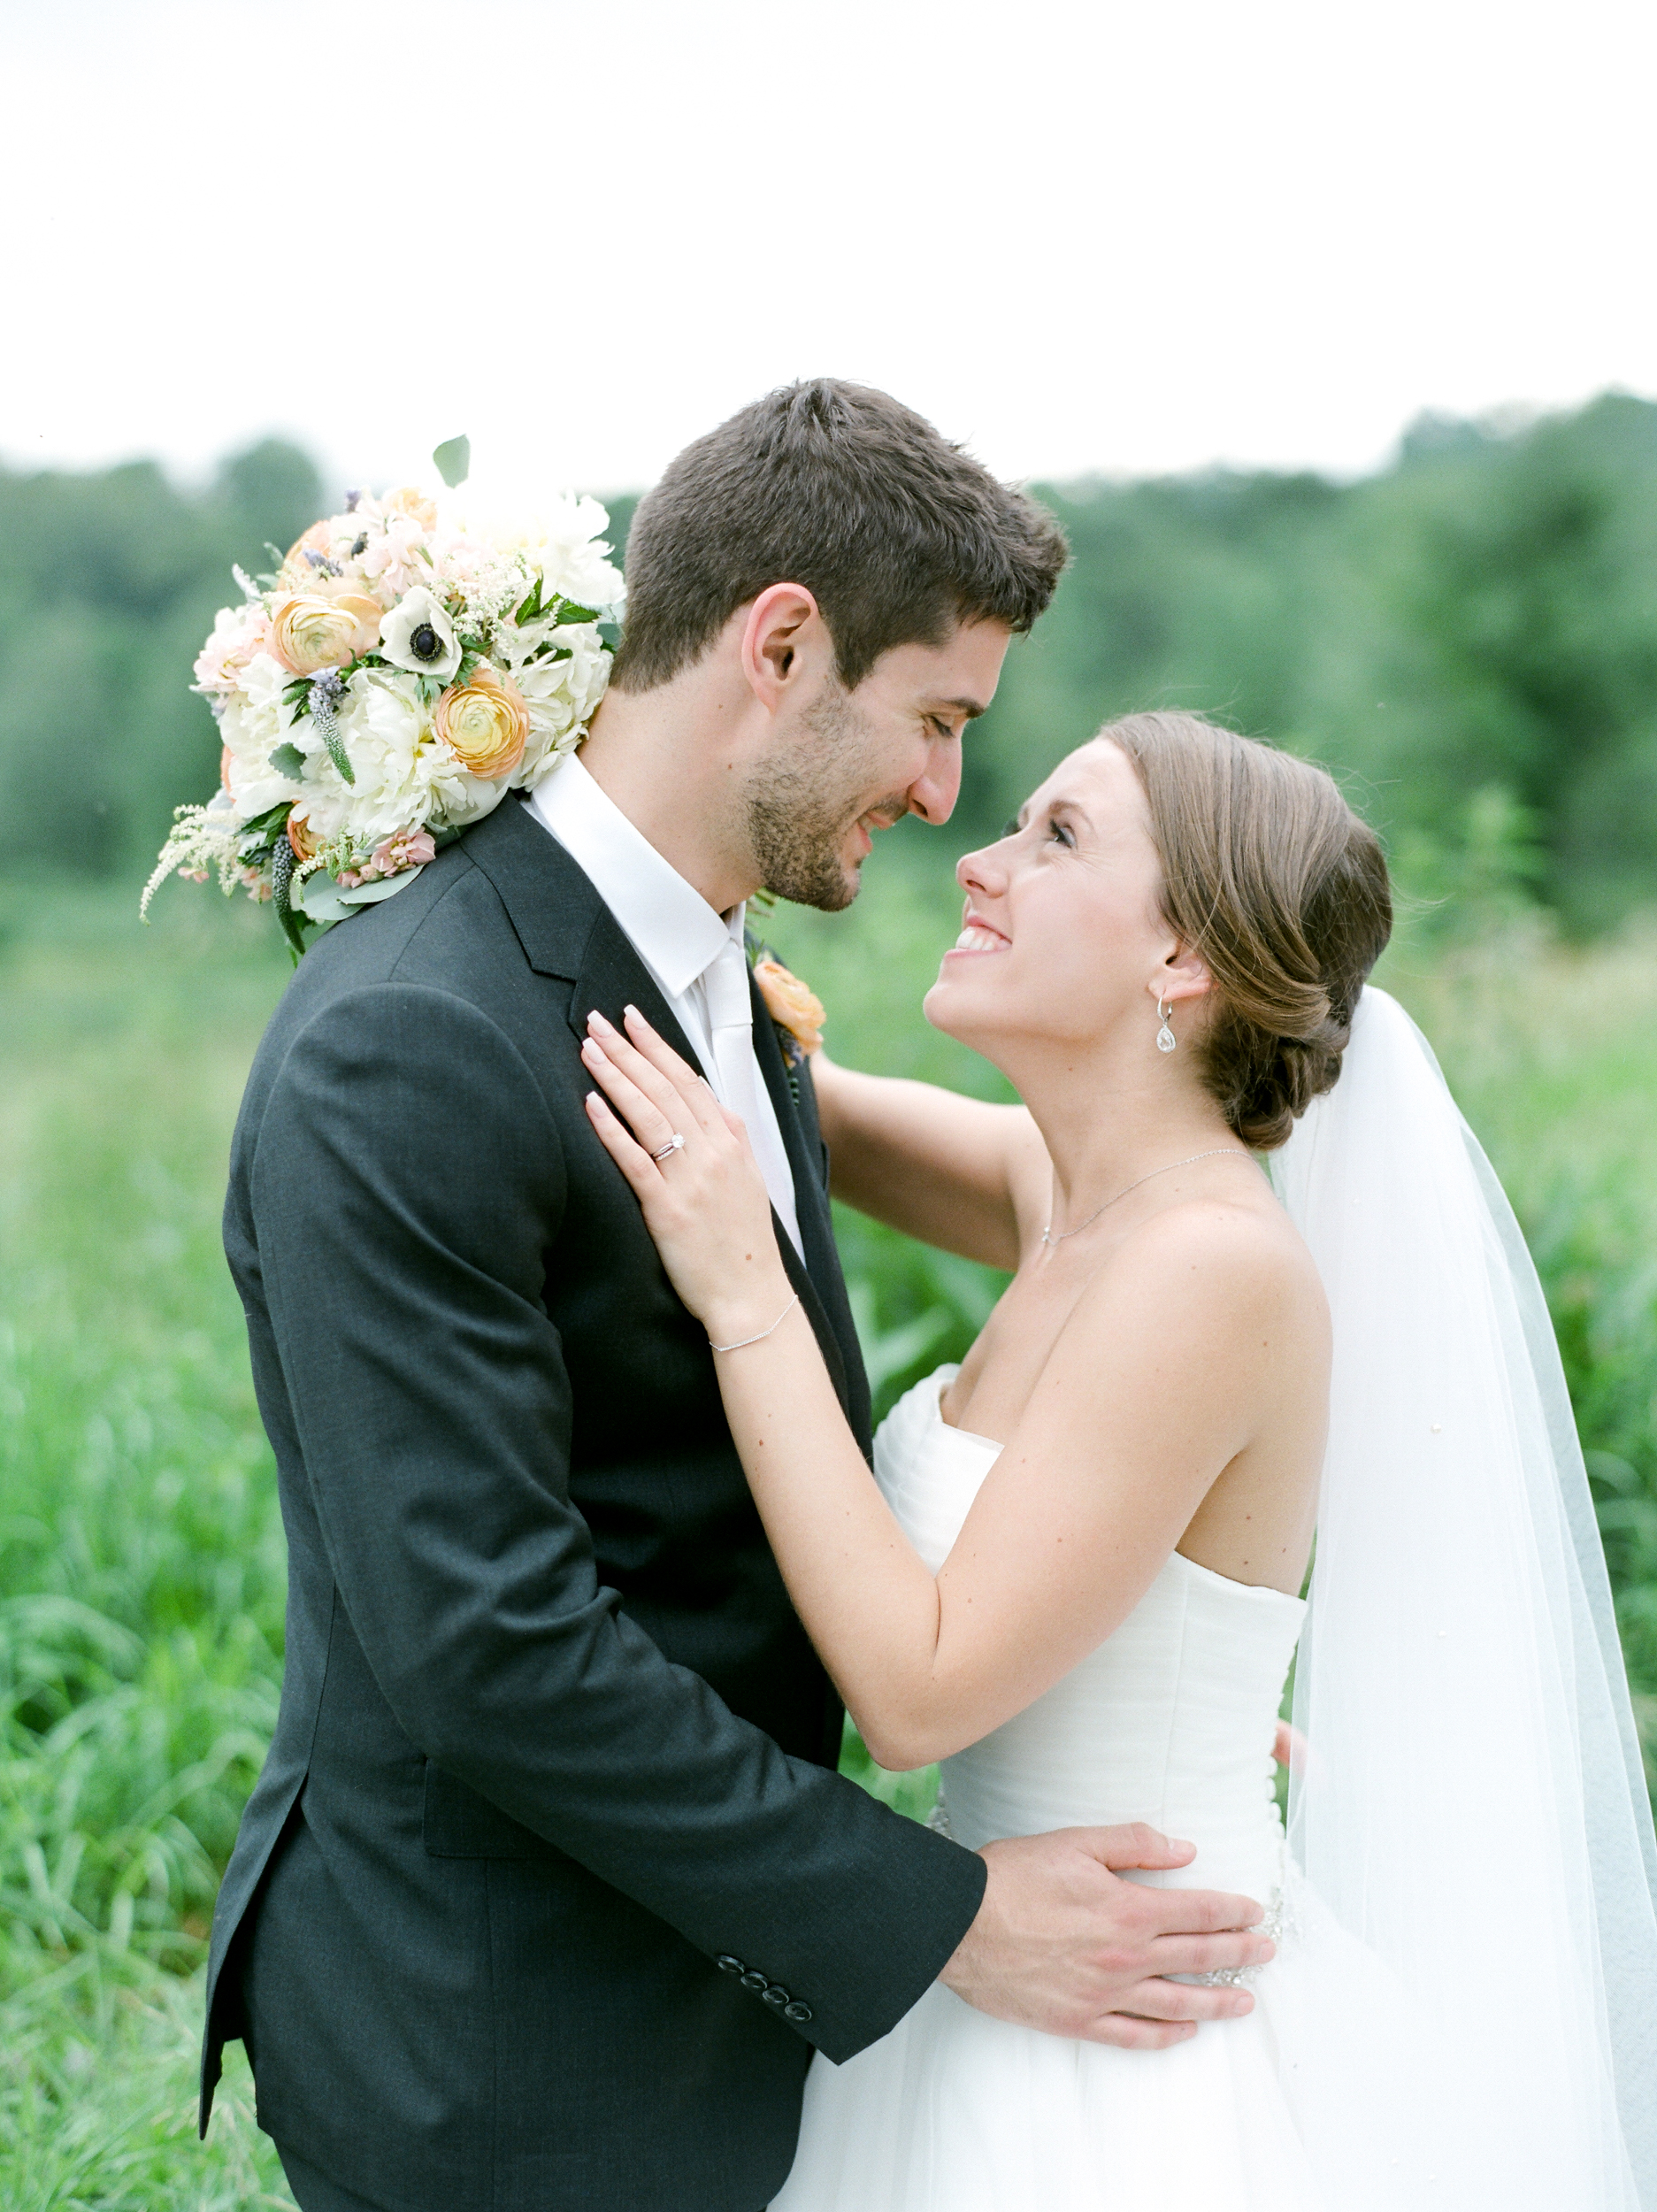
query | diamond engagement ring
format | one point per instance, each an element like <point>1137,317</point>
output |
<point>675,1143</point>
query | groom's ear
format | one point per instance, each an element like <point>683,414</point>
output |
<point>784,639</point>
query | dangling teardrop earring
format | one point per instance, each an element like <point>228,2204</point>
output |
<point>1166,1041</point>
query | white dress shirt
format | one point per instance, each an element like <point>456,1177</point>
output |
<point>695,955</point>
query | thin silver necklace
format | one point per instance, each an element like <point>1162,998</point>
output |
<point>1047,1236</point>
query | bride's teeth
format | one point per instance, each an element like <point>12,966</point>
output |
<point>973,939</point>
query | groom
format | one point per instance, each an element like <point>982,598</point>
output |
<point>549,1888</point>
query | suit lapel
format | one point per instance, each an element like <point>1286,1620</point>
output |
<point>822,1268</point>
<point>612,977</point>
<point>567,931</point>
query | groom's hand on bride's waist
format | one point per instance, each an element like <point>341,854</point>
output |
<point>1064,1944</point>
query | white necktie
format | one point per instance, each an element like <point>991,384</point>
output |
<point>736,1073</point>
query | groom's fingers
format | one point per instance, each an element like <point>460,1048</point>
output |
<point>1211,1954</point>
<point>1155,1999</point>
<point>1203,1911</point>
<point>1135,1843</point>
<point>1124,2032</point>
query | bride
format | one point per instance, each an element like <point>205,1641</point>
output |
<point>1075,1575</point>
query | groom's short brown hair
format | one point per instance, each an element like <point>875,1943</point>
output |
<point>897,534</point>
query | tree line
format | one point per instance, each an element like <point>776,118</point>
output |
<point>1468,637</point>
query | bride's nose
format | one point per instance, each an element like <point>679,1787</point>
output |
<point>981,870</point>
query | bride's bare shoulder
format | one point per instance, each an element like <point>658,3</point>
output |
<point>1225,1259</point>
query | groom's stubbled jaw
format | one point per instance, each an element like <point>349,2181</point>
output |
<point>817,860</point>
<point>857,761</point>
<point>810,816</point>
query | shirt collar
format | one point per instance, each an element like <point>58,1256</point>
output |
<point>672,927</point>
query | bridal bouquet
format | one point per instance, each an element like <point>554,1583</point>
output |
<point>408,662</point>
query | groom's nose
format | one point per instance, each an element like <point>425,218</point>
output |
<point>933,794</point>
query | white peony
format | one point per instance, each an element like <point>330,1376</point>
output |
<point>560,540</point>
<point>386,730</point>
<point>252,723</point>
<point>418,635</point>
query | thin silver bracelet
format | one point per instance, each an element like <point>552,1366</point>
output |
<point>763,1333</point>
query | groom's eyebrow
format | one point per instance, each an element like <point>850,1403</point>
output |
<point>970,708</point>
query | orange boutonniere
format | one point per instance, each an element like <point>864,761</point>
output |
<point>796,1011</point>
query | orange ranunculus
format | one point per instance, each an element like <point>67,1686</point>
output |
<point>407,501</point>
<point>789,1003</point>
<point>484,723</point>
<point>309,632</point>
<point>223,770</point>
<point>369,614</point>
<point>302,838</point>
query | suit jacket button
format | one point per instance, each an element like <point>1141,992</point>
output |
<point>728,1965</point>
<point>777,1995</point>
<point>751,1980</point>
<point>796,2011</point>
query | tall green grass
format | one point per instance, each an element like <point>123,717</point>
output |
<point>140,1557</point>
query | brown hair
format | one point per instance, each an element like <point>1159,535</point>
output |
<point>1268,874</point>
<point>896,533</point>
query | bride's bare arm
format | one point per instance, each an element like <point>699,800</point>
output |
<point>951,1170</point>
<point>1122,1439</point>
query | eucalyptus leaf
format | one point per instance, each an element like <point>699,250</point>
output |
<point>453,460</point>
<point>372,893</point>
<point>320,898</point>
<point>288,760</point>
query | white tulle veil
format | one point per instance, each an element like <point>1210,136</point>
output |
<point>1470,1820</point>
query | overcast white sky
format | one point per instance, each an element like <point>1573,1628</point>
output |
<point>1123,237</point>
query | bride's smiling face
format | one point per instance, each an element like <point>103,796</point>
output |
<point>1062,936</point>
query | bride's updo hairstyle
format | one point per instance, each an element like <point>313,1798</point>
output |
<point>1268,874</point>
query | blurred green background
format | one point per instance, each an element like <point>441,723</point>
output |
<point>1469,639</point>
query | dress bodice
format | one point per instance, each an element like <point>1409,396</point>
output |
<point>1170,1720</point>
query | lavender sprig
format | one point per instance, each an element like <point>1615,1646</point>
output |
<point>324,689</point>
<point>281,895</point>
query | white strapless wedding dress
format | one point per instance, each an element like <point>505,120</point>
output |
<point>1170,1721</point>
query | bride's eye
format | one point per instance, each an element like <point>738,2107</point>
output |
<point>1059,831</point>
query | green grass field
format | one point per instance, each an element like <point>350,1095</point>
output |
<point>140,1558</point>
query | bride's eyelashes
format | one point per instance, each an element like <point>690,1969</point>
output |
<point>1014,827</point>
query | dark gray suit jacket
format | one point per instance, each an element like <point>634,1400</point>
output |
<point>547,1887</point>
